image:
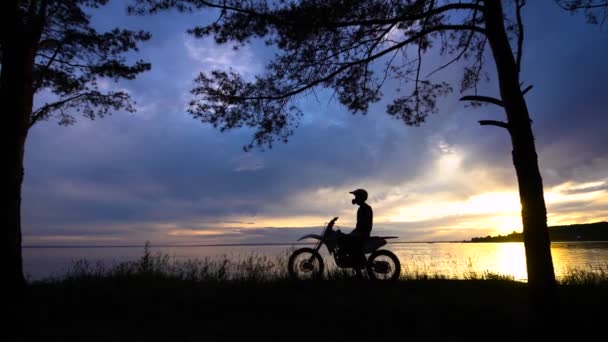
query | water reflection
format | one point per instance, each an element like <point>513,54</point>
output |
<point>454,260</point>
<point>461,259</point>
<point>510,259</point>
<point>590,255</point>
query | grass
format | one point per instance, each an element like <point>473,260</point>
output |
<point>160,298</point>
<point>266,269</point>
<point>158,266</point>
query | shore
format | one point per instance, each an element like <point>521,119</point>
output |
<point>155,298</point>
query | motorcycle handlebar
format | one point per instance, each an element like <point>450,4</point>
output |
<point>329,226</point>
<point>332,222</point>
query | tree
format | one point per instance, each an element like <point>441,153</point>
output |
<point>334,43</point>
<point>49,50</point>
<point>596,11</point>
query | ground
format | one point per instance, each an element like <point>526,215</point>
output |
<point>344,309</point>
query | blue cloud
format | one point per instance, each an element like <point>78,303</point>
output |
<point>160,165</point>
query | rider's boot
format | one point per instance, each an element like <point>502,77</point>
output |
<point>359,266</point>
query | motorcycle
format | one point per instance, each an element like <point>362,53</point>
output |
<point>307,263</point>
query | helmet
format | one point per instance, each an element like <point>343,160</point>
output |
<point>360,194</point>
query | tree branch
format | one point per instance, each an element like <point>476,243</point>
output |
<point>409,17</point>
<point>464,49</point>
<point>358,62</point>
<point>592,9</point>
<point>52,59</point>
<point>47,66</point>
<point>457,58</point>
<point>479,98</point>
<point>41,112</point>
<point>520,33</point>
<point>574,5</point>
<point>225,7</point>
<point>495,123</point>
<point>523,92</point>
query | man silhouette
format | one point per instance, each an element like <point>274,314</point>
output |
<point>356,238</point>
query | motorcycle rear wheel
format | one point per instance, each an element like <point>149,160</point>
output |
<point>305,263</point>
<point>383,265</point>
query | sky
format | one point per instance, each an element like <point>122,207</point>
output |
<point>159,175</point>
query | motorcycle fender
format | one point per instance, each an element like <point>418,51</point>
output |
<point>311,236</point>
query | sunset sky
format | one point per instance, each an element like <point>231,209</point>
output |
<point>162,176</point>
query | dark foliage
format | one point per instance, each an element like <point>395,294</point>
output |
<point>50,53</point>
<point>351,47</point>
<point>595,11</point>
<point>71,58</point>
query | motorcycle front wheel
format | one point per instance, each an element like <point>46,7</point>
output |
<point>305,263</point>
<point>383,265</point>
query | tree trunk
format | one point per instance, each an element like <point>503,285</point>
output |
<point>16,96</point>
<point>541,276</point>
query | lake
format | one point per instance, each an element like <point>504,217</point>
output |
<point>449,259</point>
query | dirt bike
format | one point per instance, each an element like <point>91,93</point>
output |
<point>307,263</point>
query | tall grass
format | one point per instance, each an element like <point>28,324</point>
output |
<point>260,268</point>
<point>596,276</point>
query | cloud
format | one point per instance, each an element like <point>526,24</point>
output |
<point>160,175</point>
<point>211,56</point>
<point>587,188</point>
<point>248,162</point>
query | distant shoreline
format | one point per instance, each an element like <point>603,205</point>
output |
<point>587,232</point>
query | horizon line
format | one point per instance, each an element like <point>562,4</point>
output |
<point>220,244</point>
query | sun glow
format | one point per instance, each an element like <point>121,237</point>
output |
<point>571,191</point>
<point>510,259</point>
<point>485,203</point>
<point>269,222</point>
<point>500,211</point>
<point>450,216</point>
